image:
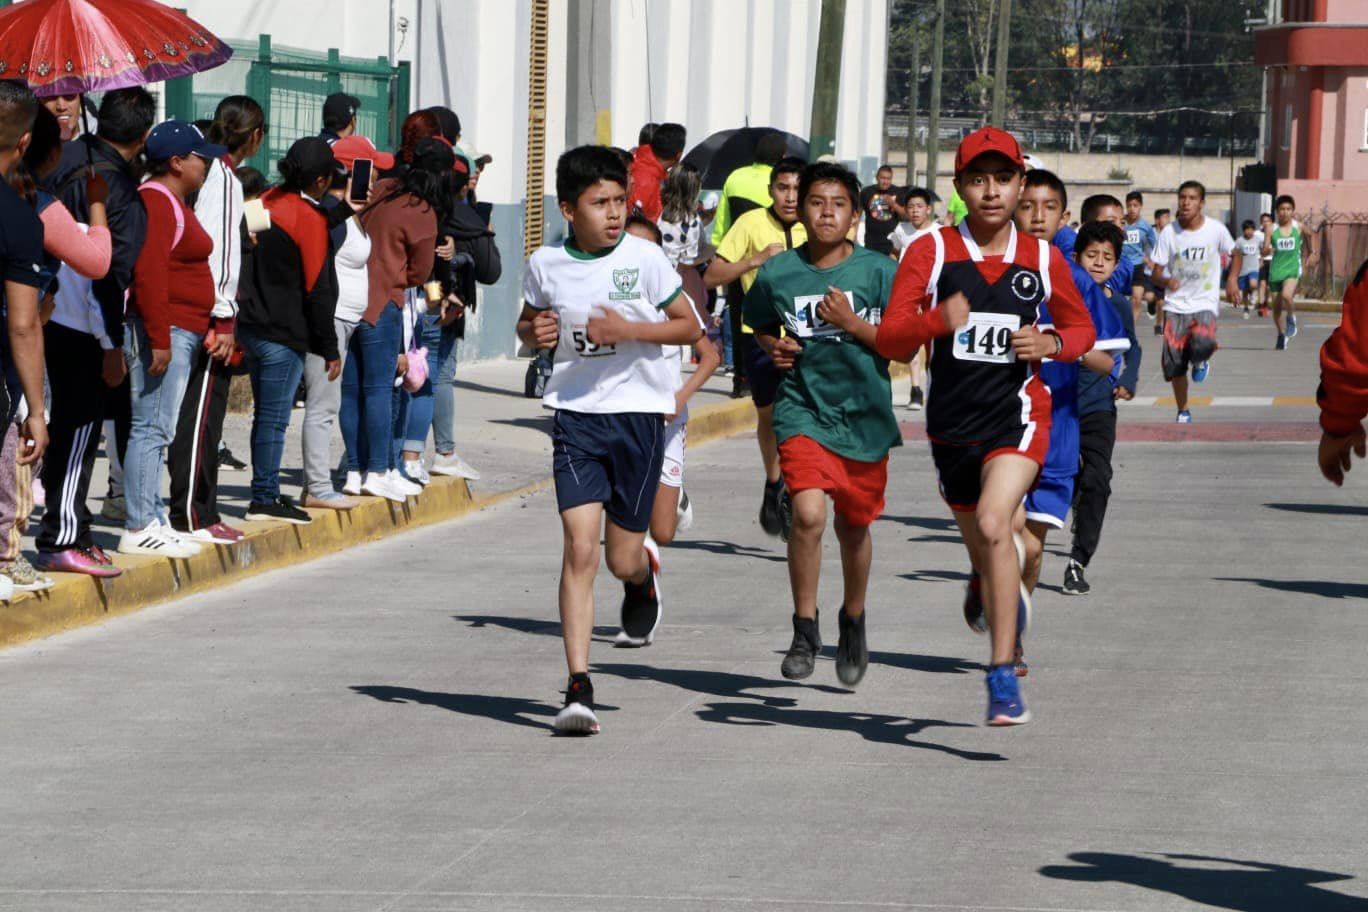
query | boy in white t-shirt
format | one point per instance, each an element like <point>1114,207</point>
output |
<point>608,303</point>
<point>921,218</point>
<point>1187,262</point>
<point>1250,244</point>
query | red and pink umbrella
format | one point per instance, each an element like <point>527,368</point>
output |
<point>66,47</point>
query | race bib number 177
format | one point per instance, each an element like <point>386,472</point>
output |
<point>987,337</point>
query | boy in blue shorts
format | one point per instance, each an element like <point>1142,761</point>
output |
<point>608,303</point>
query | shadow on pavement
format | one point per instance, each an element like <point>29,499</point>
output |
<point>870,726</point>
<point>933,523</point>
<point>937,539</point>
<point>1245,886</point>
<point>1320,509</point>
<point>715,683</point>
<point>537,423</point>
<point>935,576</point>
<point>729,548</point>
<point>529,625</point>
<point>1322,588</point>
<point>912,661</point>
<point>513,710</point>
<point>492,390</point>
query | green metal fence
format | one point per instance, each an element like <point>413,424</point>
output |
<point>291,84</point>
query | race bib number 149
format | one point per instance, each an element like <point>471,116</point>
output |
<point>987,337</point>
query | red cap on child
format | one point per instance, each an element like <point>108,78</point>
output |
<point>985,140</point>
<point>348,149</point>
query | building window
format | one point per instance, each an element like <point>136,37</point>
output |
<point>1287,127</point>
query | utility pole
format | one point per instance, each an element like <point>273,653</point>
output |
<point>933,114</point>
<point>1004,39</point>
<point>913,89</point>
<point>826,88</point>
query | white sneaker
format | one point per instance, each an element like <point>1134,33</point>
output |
<point>154,540</point>
<point>378,485</point>
<point>402,484</point>
<point>182,538</point>
<point>684,515</point>
<point>455,466</point>
<point>353,484</point>
<point>414,472</point>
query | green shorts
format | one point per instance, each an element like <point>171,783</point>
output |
<point>1276,279</point>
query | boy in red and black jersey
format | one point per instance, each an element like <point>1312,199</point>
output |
<point>977,290</point>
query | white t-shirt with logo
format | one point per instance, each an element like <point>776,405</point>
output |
<point>635,279</point>
<point>1251,249</point>
<point>1194,258</point>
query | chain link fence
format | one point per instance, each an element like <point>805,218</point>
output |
<point>1343,245</point>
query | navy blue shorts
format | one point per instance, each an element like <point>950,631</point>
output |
<point>609,459</point>
<point>762,375</point>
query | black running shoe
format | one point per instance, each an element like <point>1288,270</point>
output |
<point>785,515</point>
<point>802,652</point>
<point>852,650</point>
<point>1074,582</point>
<point>770,520</point>
<point>282,508</point>
<point>227,460</point>
<point>918,399</point>
<point>577,716</point>
<point>641,603</point>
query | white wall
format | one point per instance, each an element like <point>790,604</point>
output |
<point>358,28</point>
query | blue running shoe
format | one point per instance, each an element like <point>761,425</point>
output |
<point>1184,417</point>
<point>1291,325</point>
<point>1200,371</point>
<point>1005,705</point>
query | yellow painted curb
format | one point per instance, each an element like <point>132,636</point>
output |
<point>77,600</point>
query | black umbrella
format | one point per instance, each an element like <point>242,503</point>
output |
<point>722,153</point>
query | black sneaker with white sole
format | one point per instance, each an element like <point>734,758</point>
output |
<point>802,652</point>
<point>770,521</point>
<point>641,603</point>
<point>282,508</point>
<point>852,650</point>
<point>577,716</point>
<point>1074,581</point>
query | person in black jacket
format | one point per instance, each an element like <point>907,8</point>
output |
<point>287,296</point>
<point>467,255</point>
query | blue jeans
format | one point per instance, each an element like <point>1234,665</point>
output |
<point>368,392</point>
<point>444,395</point>
<point>156,407</point>
<point>275,370</point>
<point>422,405</point>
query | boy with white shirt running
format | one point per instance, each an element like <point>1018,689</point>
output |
<point>609,303</point>
<point>1187,262</point>
<point>1250,243</point>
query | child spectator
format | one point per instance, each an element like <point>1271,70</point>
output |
<point>680,226</point>
<point>651,162</point>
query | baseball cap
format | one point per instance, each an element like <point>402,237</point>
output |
<point>985,140</point>
<point>349,148</point>
<point>312,158</point>
<point>174,139</point>
<point>339,108</point>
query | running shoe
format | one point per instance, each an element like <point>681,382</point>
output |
<point>1158,329</point>
<point>227,460</point>
<point>1005,703</point>
<point>217,534</point>
<point>684,515</point>
<point>577,716</point>
<point>770,521</point>
<point>1151,309</point>
<point>1248,311</point>
<point>1074,581</point>
<point>455,466</point>
<point>402,484</point>
<point>1201,371</point>
<point>352,484</point>
<point>1184,417</point>
<point>378,484</point>
<point>785,515</point>
<point>1291,325</point>
<point>24,577</point>
<point>158,540</point>
<point>413,471</point>
<point>802,652</point>
<point>641,603</point>
<point>1263,311</point>
<point>918,400</point>
<point>1281,344</point>
<point>282,508</point>
<point>75,560</point>
<point>852,650</point>
<point>973,604</point>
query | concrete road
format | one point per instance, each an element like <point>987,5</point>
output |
<point>372,731</point>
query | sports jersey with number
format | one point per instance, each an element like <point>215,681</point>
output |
<point>1287,263</point>
<point>1250,250</point>
<point>633,278</point>
<point>1193,257</point>
<point>978,388</point>
<point>838,391</point>
<point>1140,240</point>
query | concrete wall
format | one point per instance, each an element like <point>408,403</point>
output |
<point>359,28</point>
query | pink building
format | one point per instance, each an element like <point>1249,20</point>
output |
<point>1316,131</point>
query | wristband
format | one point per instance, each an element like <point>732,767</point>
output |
<point>1059,343</point>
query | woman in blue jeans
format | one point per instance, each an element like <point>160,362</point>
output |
<point>432,331</point>
<point>287,298</point>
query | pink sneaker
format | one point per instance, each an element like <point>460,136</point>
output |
<point>218,534</point>
<point>75,560</point>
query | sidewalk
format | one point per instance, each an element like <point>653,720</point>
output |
<point>500,432</point>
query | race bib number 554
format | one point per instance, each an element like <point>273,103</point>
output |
<point>987,337</point>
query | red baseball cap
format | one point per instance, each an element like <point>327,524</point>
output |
<point>985,140</point>
<point>348,149</point>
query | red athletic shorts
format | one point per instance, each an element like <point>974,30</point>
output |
<point>856,488</point>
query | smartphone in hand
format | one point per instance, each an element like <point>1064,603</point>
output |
<point>361,180</point>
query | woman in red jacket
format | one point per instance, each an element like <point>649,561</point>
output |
<point>168,315</point>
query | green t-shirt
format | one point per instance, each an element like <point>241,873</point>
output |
<point>1286,254</point>
<point>838,392</point>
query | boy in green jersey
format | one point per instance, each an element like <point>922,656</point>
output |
<point>833,412</point>
<point>1284,244</point>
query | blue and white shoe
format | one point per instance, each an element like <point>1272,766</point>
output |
<point>1281,344</point>
<point>1005,704</point>
<point>1291,325</point>
<point>1200,371</point>
<point>1184,417</point>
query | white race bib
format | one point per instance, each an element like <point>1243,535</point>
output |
<point>576,336</point>
<point>804,322</point>
<point>987,337</point>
